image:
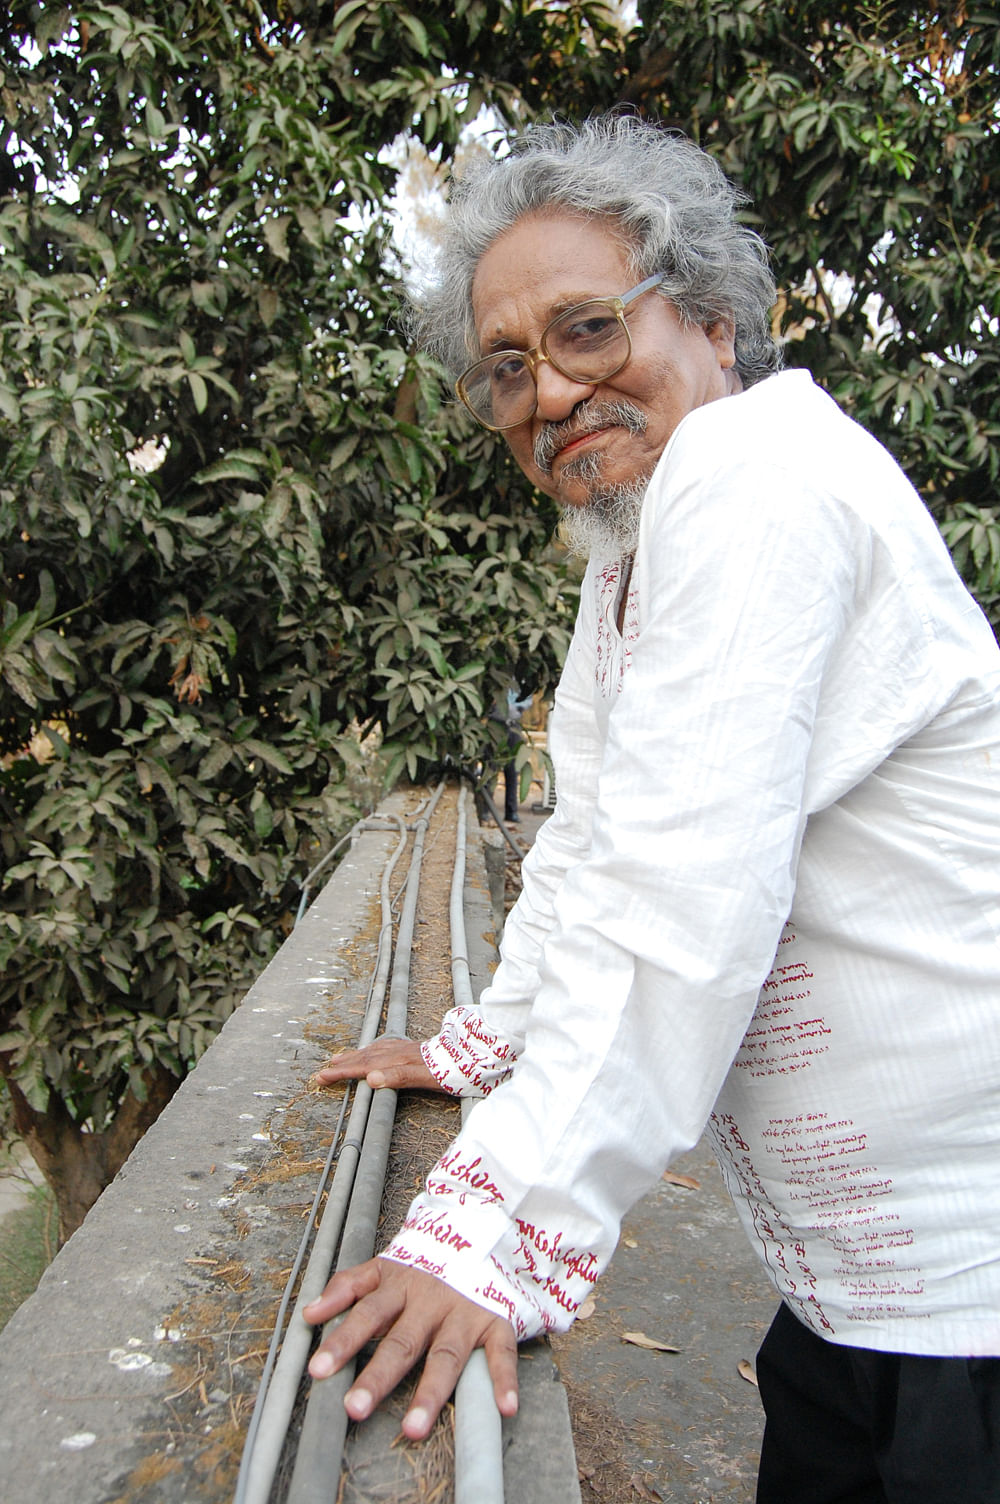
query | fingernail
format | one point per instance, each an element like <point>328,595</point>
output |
<point>358,1403</point>
<point>321,1366</point>
<point>416,1420</point>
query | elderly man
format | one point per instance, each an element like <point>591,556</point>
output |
<point>768,901</point>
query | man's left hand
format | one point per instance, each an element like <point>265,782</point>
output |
<point>413,1313</point>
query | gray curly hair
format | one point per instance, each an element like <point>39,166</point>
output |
<point>672,202</point>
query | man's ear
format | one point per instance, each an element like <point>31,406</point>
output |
<point>722,335</point>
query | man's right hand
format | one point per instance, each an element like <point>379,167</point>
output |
<point>395,1063</point>
<point>416,1316</point>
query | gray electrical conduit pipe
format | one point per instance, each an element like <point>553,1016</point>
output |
<point>478,1426</point>
<point>276,1397</point>
<point>324,1427</point>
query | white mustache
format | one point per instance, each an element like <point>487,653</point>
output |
<point>587,418</point>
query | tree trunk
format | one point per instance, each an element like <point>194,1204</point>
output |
<point>78,1164</point>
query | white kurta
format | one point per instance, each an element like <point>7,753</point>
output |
<point>768,901</point>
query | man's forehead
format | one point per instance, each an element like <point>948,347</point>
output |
<point>541,266</point>
<point>510,324</point>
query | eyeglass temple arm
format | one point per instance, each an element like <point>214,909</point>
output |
<point>636,292</point>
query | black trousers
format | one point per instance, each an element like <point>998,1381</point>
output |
<point>845,1425</point>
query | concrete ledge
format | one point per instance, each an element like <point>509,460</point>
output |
<point>131,1372</point>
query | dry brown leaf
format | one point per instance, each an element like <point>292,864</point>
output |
<point>630,1242</point>
<point>587,1309</point>
<point>642,1484</point>
<point>687,1181</point>
<point>746,1371</point>
<point>639,1339</point>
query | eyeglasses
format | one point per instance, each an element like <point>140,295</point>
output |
<point>588,342</point>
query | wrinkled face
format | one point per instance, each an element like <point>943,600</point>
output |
<point>586,439</point>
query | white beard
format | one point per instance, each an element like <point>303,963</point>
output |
<point>606,528</point>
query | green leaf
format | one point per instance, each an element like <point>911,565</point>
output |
<point>268,754</point>
<point>230,468</point>
<point>276,235</point>
<point>417,30</point>
<point>199,391</point>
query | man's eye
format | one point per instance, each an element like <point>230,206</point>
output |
<point>508,371</point>
<point>589,331</point>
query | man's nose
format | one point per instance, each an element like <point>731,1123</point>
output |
<point>558,394</point>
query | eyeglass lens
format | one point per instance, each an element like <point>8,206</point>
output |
<point>586,343</point>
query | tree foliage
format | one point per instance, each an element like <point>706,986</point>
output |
<point>194,255</point>
<point>869,139</point>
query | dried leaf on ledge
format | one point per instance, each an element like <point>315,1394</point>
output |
<point>687,1181</point>
<point>639,1339</point>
